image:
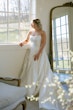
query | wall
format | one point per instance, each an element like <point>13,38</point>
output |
<point>43,12</point>
<point>71,28</point>
<point>11,60</point>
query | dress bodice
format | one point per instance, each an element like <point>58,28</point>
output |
<point>35,43</point>
<point>35,40</point>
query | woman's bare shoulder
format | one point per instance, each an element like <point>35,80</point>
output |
<point>31,32</point>
<point>43,33</point>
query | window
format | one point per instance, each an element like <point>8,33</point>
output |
<point>61,43</point>
<point>15,17</point>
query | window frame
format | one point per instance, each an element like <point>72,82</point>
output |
<point>32,14</point>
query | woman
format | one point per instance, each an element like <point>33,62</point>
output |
<point>36,73</point>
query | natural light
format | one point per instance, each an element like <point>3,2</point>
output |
<point>15,17</point>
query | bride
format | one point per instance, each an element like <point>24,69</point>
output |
<point>36,75</point>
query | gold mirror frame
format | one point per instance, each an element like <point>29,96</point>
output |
<point>68,4</point>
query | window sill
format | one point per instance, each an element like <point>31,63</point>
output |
<point>10,46</point>
<point>3,44</point>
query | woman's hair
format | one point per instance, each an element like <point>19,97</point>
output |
<point>38,23</point>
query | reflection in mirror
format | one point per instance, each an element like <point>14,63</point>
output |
<point>61,46</point>
<point>61,38</point>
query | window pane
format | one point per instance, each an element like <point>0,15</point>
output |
<point>63,20</point>
<point>57,22</point>
<point>54,64</point>
<point>3,36</point>
<point>24,17</point>
<point>24,21</point>
<point>3,18</point>
<point>3,5</point>
<point>66,64</point>
<point>58,31</point>
<point>23,34</point>
<point>3,27</point>
<point>13,27</point>
<point>68,36</point>
<point>58,39</point>
<point>13,5</point>
<point>63,29</point>
<point>13,18</point>
<point>13,21</point>
<point>65,46</point>
<point>13,35</point>
<point>24,6</point>
<point>64,38</point>
<point>59,46</point>
<point>60,56</point>
<point>24,25</point>
<point>65,55</point>
<point>67,28</point>
<point>60,65</point>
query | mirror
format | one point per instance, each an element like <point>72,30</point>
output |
<point>61,38</point>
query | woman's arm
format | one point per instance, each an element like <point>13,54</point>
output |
<point>43,42</point>
<point>26,40</point>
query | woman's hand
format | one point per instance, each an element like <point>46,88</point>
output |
<point>36,56</point>
<point>21,44</point>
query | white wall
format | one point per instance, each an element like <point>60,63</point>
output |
<point>43,12</point>
<point>11,60</point>
<point>71,28</point>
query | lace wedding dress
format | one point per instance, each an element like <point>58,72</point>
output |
<point>37,77</point>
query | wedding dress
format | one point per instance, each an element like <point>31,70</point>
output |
<point>37,77</point>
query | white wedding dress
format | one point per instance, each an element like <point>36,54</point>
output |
<point>37,77</point>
